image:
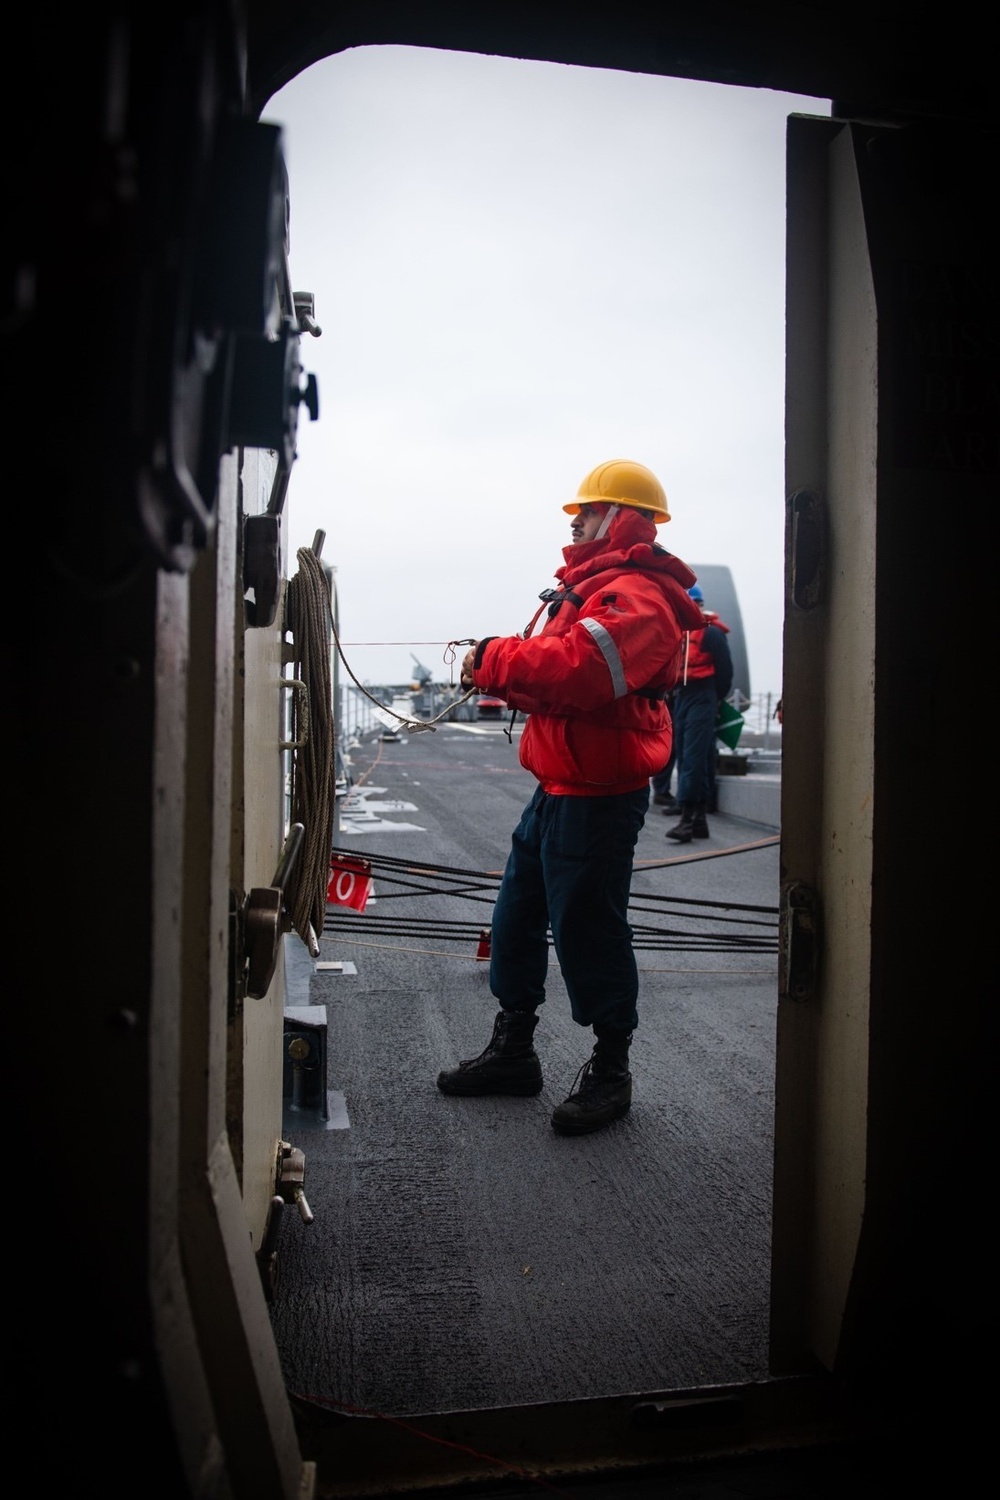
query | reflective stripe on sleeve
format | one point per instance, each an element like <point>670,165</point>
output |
<point>609,651</point>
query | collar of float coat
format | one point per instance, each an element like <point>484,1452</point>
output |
<point>630,543</point>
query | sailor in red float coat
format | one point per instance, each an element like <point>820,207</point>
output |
<point>592,681</point>
<point>696,660</point>
<point>592,684</point>
<point>705,678</point>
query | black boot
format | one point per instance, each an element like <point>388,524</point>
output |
<point>683,831</point>
<point>602,1090</point>
<point>699,823</point>
<point>507,1065</point>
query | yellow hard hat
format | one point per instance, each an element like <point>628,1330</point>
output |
<point>621,482</point>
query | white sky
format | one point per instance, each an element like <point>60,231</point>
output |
<point>522,269</point>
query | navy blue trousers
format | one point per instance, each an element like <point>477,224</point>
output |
<point>694,712</point>
<point>570,868</point>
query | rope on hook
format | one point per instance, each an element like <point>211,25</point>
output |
<point>309,621</point>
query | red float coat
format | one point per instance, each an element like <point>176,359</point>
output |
<point>591,681</point>
<point>695,660</point>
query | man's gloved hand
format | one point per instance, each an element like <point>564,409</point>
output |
<point>468,661</point>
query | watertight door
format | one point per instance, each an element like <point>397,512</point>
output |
<point>888,460</point>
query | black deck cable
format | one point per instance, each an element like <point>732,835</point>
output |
<point>482,887</point>
<point>387,925</point>
<point>432,890</point>
<point>702,901</point>
<point>708,916</point>
<point>471,892</point>
<point>690,945</point>
<point>744,939</point>
<point>712,912</point>
<point>644,937</point>
<point>693,947</point>
<point>343,925</point>
<point>677,944</point>
<point>378,869</point>
<point>338,915</point>
<point>487,900</point>
<point>415,867</point>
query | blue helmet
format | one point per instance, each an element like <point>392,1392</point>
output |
<point>696,593</point>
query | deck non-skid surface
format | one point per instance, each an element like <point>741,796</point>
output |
<point>464,1255</point>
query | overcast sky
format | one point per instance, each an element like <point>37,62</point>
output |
<point>522,269</point>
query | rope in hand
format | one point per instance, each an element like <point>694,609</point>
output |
<point>413,726</point>
<point>309,618</point>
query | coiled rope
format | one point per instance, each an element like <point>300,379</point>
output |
<point>309,621</point>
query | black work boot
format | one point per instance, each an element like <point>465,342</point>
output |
<point>699,823</point>
<point>508,1063</point>
<point>683,831</point>
<point>602,1090</point>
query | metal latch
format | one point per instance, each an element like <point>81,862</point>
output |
<point>265,918</point>
<point>305,313</point>
<point>800,942</point>
<point>291,1179</point>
